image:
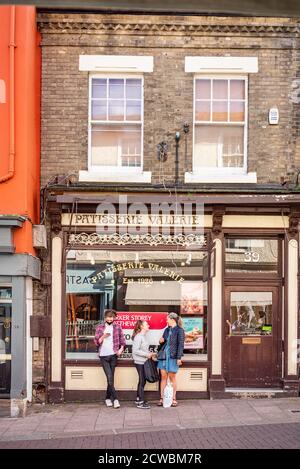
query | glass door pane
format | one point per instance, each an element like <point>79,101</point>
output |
<point>251,313</point>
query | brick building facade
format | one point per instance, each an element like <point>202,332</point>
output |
<point>251,208</point>
<point>273,151</point>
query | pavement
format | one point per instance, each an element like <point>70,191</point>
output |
<point>228,423</point>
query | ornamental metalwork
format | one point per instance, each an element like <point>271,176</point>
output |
<point>92,239</point>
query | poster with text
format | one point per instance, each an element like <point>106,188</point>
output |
<point>156,321</point>
<point>193,333</point>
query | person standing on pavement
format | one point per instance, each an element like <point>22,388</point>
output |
<point>140,353</point>
<point>110,341</point>
<point>173,338</point>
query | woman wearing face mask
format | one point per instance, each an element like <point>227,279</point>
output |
<point>173,338</point>
<point>140,353</point>
<point>110,342</point>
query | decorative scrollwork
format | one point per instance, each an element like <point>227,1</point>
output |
<point>294,221</point>
<point>92,239</point>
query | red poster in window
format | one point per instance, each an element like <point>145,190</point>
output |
<point>156,321</point>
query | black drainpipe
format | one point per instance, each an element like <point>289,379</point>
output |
<point>177,138</point>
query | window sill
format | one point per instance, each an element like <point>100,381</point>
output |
<point>115,175</point>
<point>197,177</point>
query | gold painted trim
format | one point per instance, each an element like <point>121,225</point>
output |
<point>251,340</point>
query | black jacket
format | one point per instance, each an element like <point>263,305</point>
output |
<point>176,342</point>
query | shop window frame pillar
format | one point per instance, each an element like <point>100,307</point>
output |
<point>56,387</point>
<point>216,382</point>
<point>291,332</point>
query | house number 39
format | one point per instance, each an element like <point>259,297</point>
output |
<point>251,256</point>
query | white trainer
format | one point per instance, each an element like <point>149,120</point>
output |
<point>108,403</point>
<point>116,404</point>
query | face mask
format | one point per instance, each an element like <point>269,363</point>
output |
<point>109,322</point>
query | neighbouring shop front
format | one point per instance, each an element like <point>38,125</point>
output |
<point>17,272</point>
<point>231,274</point>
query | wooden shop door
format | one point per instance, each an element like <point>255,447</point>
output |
<point>253,337</point>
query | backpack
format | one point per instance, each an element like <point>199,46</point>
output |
<point>150,370</point>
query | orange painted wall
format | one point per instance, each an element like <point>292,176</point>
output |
<point>20,194</point>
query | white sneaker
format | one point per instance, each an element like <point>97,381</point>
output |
<point>116,404</point>
<point>108,403</point>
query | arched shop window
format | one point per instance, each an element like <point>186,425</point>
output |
<point>144,284</point>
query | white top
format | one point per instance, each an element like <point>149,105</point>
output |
<point>107,347</point>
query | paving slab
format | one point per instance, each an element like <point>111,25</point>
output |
<point>95,418</point>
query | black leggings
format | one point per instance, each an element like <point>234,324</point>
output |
<point>142,381</point>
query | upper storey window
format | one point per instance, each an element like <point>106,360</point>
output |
<point>220,123</point>
<point>116,127</point>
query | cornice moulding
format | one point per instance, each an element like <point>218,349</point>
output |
<point>173,28</point>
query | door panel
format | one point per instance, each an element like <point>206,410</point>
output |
<point>252,350</point>
<point>5,347</point>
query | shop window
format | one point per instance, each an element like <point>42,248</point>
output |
<point>5,293</point>
<point>251,255</point>
<point>116,114</point>
<point>138,285</point>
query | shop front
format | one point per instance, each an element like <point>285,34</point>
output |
<point>231,277</point>
<point>17,273</point>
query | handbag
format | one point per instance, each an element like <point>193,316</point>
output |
<point>150,371</point>
<point>161,351</point>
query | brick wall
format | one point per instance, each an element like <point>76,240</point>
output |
<point>273,151</point>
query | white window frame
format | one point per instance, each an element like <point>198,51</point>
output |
<point>95,168</point>
<point>222,171</point>
<point>113,173</point>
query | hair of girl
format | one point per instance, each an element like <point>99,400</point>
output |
<point>137,328</point>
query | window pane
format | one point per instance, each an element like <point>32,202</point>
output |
<point>206,146</point>
<point>140,284</point>
<point>133,89</point>
<point>116,110</point>
<point>202,111</point>
<point>99,110</point>
<point>251,255</point>
<point>237,89</point>
<point>99,88</point>
<point>116,145</point>
<point>116,88</point>
<point>133,110</point>
<point>237,111</point>
<point>203,89</point>
<point>219,146</point>
<point>251,313</point>
<point>131,147</point>
<point>220,89</point>
<point>219,111</point>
